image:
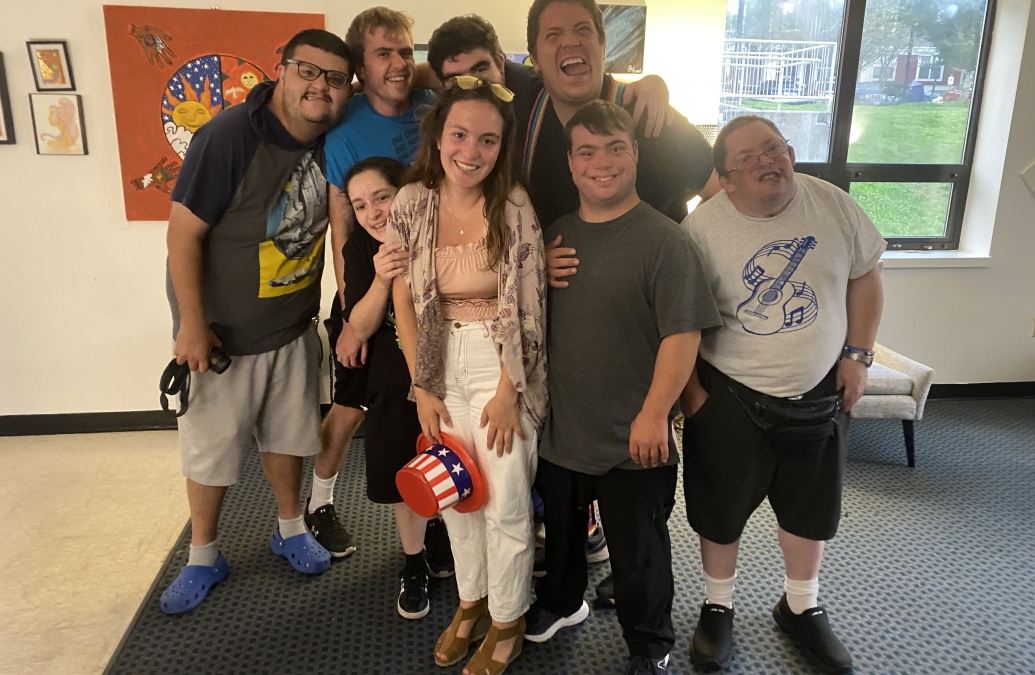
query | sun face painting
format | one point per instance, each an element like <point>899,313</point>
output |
<point>198,91</point>
<point>173,71</point>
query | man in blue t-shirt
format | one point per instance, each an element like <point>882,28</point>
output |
<point>379,122</point>
<point>246,249</point>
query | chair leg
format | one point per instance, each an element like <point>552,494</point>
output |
<point>907,431</point>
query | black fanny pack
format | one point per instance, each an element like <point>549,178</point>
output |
<point>798,421</point>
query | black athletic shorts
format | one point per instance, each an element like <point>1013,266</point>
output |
<point>730,466</point>
<point>390,440</point>
<point>348,385</point>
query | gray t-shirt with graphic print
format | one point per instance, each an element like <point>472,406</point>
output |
<point>781,282</point>
<point>639,280</point>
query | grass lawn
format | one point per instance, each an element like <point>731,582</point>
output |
<point>905,209</point>
<point>922,133</point>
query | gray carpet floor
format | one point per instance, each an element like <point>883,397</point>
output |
<point>932,573</point>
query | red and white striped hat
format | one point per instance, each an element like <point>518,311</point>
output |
<point>441,476</point>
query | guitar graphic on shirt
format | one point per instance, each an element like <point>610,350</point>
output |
<point>777,303</point>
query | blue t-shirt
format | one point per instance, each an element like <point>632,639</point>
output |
<point>363,132</point>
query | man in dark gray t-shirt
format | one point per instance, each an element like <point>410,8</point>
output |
<point>622,340</point>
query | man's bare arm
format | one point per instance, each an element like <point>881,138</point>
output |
<point>340,215</point>
<point>648,438</point>
<point>184,240</point>
<point>865,303</point>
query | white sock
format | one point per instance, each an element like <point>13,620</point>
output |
<point>291,528</point>
<point>801,595</point>
<point>323,492</point>
<point>719,591</point>
<point>205,556</point>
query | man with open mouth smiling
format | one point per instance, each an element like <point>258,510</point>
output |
<point>567,44</point>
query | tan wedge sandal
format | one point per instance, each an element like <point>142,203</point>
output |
<point>456,648</point>
<point>482,663</point>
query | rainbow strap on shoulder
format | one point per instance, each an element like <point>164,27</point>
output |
<point>615,94</point>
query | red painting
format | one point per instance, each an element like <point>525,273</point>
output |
<point>173,70</point>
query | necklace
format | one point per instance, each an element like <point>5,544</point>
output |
<point>463,223</point>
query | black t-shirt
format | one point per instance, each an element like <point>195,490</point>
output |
<point>264,197</point>
<point>673,167</point>
<point>388,374</point>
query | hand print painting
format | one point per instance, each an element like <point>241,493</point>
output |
<point>173,70</point>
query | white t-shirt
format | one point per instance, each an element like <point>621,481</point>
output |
<point>780,284</point>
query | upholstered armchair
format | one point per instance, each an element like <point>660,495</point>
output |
<point>896,389</point>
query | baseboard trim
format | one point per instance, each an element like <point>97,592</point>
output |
<point>86,423</point>
<point>95,423</point>
<point>984,390</point>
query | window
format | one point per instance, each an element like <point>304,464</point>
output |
<point>929,70</point>
<point>879,97</point>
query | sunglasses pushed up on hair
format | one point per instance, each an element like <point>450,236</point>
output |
<point>469,82</point>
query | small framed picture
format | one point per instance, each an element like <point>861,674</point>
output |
<point>57,124</point>
<point>6,122</point>
<point>50,65</point>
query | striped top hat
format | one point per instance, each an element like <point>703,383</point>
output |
<point>441,476</point>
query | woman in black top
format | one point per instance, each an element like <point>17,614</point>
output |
<point>391,426</point>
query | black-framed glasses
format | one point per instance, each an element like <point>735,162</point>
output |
<point>312,72</point>
<point>772,151</point>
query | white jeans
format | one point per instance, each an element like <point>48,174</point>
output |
<point>494,547</point>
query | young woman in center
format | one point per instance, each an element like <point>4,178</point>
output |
<point>471,314</point>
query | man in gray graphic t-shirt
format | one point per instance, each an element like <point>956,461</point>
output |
<point>792,261</point>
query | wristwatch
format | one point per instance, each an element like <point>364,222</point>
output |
<point>863,356</point>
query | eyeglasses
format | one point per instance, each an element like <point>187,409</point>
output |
<point>775,149</point>
<point>312,72</point>
<point>469,82</point>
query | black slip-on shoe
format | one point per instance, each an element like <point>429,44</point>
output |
<point>811,630</point>
<point>712,646</point>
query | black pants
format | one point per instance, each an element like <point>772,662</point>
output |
<point>635,505</point>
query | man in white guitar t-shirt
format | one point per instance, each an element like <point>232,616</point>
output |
<point>793,264</point>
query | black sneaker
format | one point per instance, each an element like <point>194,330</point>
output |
<point>605,593</point>
<point>811,630</point>
<point>641,665</point>
<point>413,594</point>
<point>712,646</point>
<point>329,531</point>
<point>437,550</point>
<point>541,624</point>
<point>539,567</point>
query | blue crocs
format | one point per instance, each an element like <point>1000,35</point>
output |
<point>303,552</point>
<point>192,585</point>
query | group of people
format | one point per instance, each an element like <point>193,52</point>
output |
<point>516,268</point>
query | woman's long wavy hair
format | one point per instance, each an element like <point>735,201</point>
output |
<point>427,164</point>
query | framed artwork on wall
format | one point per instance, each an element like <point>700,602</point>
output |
<point>6,121</point>
<point>626,28</point>
<point>57,124</point>
<point>50,65</point>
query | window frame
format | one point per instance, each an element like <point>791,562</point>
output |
<point>839,171</point>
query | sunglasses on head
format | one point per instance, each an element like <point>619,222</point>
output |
<point>469,82</point>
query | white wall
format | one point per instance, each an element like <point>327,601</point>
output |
<point>85,325</point>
